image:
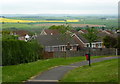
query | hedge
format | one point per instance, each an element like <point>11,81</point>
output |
<point>17,52</point>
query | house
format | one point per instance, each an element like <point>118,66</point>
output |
<point>22,34</point>
<point>83,42</point>
<point>50,32</point>
<point>107,32</point>
<point>57,43</point>
<point>53,43</point>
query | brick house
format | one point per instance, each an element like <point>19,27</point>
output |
<point>83,42</point>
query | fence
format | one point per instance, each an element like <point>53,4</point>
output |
<point>82,52</point>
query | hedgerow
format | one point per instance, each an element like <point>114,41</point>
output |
<point>17,51</point>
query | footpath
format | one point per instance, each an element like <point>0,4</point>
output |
<point>55,74</point>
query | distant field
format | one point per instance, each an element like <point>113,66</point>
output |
<point>73,25</point>
<point>33,21</point>
<point>36,24</point>
<point>108,23</point>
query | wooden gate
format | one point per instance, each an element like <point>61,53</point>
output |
<point>48,55</point>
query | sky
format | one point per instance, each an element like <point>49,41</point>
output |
<point>59,7</point>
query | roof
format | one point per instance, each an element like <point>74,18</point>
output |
<point>52,31</point>
<point>21,32</point>
<point>73,31</point>
<point>83,31</point>
<point>81,37</point>
<point>54,40</point>
<point>101,35</point>
<point>110,32</point>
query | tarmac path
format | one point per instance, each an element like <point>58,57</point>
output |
<point>55,74</point>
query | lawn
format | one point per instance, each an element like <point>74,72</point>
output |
<point>22,72</point>
<point>105,71</point>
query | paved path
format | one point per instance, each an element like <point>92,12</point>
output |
<point>55,74</point>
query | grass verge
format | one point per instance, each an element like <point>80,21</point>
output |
<point>105,71</point>
<point>23,72</point>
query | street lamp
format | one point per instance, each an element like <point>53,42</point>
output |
<point>68,47</point>
<point>88,55</point>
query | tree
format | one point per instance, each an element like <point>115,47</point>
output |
<point>110,42</point>
<point>118,42</point>
<point>91,36</point>
<point>61,28</point>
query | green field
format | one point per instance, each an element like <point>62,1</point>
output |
<point>96,20</point>
<point>29,27</point>
<point>22,72</point>
<point>105,71</point>
<point>33,27</point>
<point>108,23</point>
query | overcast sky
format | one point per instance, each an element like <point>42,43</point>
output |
<point>59,6</point>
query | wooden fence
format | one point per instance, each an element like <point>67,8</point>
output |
<point>82,52</point>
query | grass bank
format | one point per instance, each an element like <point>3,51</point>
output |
<point>22,72</point>
<point>105,71</point>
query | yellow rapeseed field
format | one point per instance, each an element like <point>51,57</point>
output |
<point>28,21</point>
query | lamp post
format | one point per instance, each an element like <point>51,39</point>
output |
<point>88,54</point>
<point>117,49</point>
<point>68,46</point>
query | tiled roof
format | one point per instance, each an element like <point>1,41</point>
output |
<point>84,31</point>
<point>53,40</point>
<point>100,35</point>
<point>51,31</point>
<point>110,32</point>
<point>21,32</point>
<point>81,37</point>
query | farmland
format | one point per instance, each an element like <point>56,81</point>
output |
<point>38,23</point>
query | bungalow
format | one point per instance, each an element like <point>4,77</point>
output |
<point>53,43</point>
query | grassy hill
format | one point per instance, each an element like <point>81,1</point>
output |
<point>106,71</point>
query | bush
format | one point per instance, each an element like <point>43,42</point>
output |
<point>17,52</point>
